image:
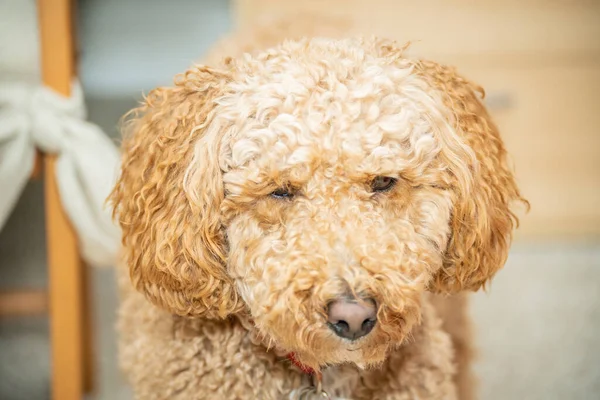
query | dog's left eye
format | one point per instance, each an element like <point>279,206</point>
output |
<point>382,183</point>
<point>282,193</point>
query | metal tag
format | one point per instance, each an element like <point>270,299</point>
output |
<point>313,393</point>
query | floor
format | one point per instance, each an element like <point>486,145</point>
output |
<point>538,327</point>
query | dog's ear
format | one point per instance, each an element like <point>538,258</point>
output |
<point>168,196</point>
<point>484,187</point>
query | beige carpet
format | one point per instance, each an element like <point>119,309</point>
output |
<point>539,326</point>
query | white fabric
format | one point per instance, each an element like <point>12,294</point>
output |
<point>34,116</point>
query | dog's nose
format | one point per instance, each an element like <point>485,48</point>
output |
<point>352,319</point>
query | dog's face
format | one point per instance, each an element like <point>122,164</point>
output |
<point>318,182</point>
<point>335,187</point>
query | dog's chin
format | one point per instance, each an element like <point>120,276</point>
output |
<point>329,350</point>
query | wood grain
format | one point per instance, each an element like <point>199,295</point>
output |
<point>550,128</point>
<point>441,27</point>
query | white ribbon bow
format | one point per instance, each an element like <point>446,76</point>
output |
<point>86,170</point>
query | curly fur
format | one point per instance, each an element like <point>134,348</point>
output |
<point>241,278</point>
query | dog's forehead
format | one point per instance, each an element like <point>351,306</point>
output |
<point>340,102</point>
<point>295,71</point>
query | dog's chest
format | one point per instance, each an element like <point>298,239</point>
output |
<point>337,383</point>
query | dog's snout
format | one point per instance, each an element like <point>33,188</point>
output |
<point>352,319</point>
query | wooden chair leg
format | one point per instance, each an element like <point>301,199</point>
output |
<point>66,271</point>
<point>66,296</point>
<point>88,353</point>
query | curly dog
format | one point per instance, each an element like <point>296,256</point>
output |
<point>305,221</point>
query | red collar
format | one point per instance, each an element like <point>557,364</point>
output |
<point>304,368</point>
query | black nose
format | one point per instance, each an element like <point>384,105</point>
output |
<point>352,319</point>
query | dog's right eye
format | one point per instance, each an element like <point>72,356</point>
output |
<point>382,183</point>
<point>282,193</point>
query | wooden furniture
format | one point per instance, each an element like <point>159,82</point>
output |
<point>67,297</point>
<point>540,64</point>
<point>70,315</point>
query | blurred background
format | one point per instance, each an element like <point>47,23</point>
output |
<point>538,327</point>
